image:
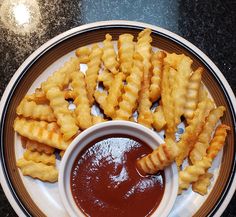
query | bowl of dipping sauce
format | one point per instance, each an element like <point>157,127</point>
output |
<point>98,176</point>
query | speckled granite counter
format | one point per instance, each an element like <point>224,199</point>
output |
<point>210,25</point>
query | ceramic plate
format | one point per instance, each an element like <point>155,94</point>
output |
<point>31,197</point>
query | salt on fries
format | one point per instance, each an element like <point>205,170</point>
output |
<point>132,80</point>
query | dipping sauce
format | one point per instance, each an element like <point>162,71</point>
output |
<point>106,183</point>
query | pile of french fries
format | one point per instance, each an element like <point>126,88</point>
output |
<point>130,82</point>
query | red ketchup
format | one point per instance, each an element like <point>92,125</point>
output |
<point>105,181</point>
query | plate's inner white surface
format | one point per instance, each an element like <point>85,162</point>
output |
<point>46,195</point>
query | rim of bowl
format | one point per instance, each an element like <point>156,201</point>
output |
<point>171,172</point>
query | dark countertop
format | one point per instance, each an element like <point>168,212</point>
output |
<point>210,25</point>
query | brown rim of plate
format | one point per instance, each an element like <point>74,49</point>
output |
<point>89,36</point>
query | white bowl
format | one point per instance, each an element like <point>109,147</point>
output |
<point>115,127</point>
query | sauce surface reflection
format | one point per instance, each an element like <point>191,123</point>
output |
<point>105,181</point>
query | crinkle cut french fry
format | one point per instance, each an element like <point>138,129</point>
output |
<point>126,52</point>
<point>192,173</point>
<point>200,147</point>
<point>159,121</point>
<point>144,47</point>
<point>36,146</point>
<point>192,131</point>
<point>218,140</point>
<point>64,116</point>
<point>114,94</point>
<point>61,77</point>
<point>179,93</point>
<point>202,184</point>
<point>192,94</point>
<point>167,100</point>
<point>100,98</point>
<point>30,109</point>
<point>40,157</point>
<point>37,170</point>
<point>92,71</point>
<point>106,78</point>
<point>83,110</point>
<point>98,119</point>
<point>32,130</point>
<point>131,90</point>
<point>160,158</point>
<point>83,54</point>
<point>109,55</point>
<point>38,97</point>
<point>157,64</point>
<point>203,94</point>
<point>173,59</point>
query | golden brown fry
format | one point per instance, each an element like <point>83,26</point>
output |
<point>155,86</point>
<point>192,173</point>
<point>100,98</point>
<point>114,94</point>
<point>82,111</point>
<point>218,141</point>
<point>130,96</point>
<point>109,55</point>
<point>203,94</point>
<point>37,170</point>
<point>106,78</point>
<point>173,59</point>
<point>32,130</point>
<point>30,109</point>
<point>167,100</point>
<point>200,147</point>
<point>126,52</point>
<point>159,121</point>
<point>61,110</point>
<point>160,158</point>
<point>69,94</point>
<point>83,54</point>
<point>192,94</point>
<point>202,184</point>
<point>40,157</point>
<point>144,48</point>
<point>180,90</point>
<point>98,119</point>
<point>93,70</point>
<point>192,131</point>
<point>38,97</point>
<point>36,146</point>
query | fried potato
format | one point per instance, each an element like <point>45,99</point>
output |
<point>159,121</point>
<point>40,157</point>
<point>157,64</point>
<point>203,94</point>
<point>100,98</point>
<point>106,78</point>
<point>131,90</point>
<point>83,54</point>
<point>30,109</point>
<point>38,97</point>
<point>82,110</point>
<point>180,91</point>
<point>202,184</point>
<point>218,141</point>
<point>200,147</point>
<point>144,48</point>
<point>98,119</point>
<point>173,59</point>
<point>167,100</point>
<point>37,170</point>
<point>36,146</point>
<point>69,94</point>
<point>114,94</point>
<point>60,107</point>
<point>192,173</point>
<point>109,55</point>
<point>192,131</point>
<point>126,52</point>
<point>192,94</point>
<point>32,130</point>
<point>92,71</point>
<point>160,158</point>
